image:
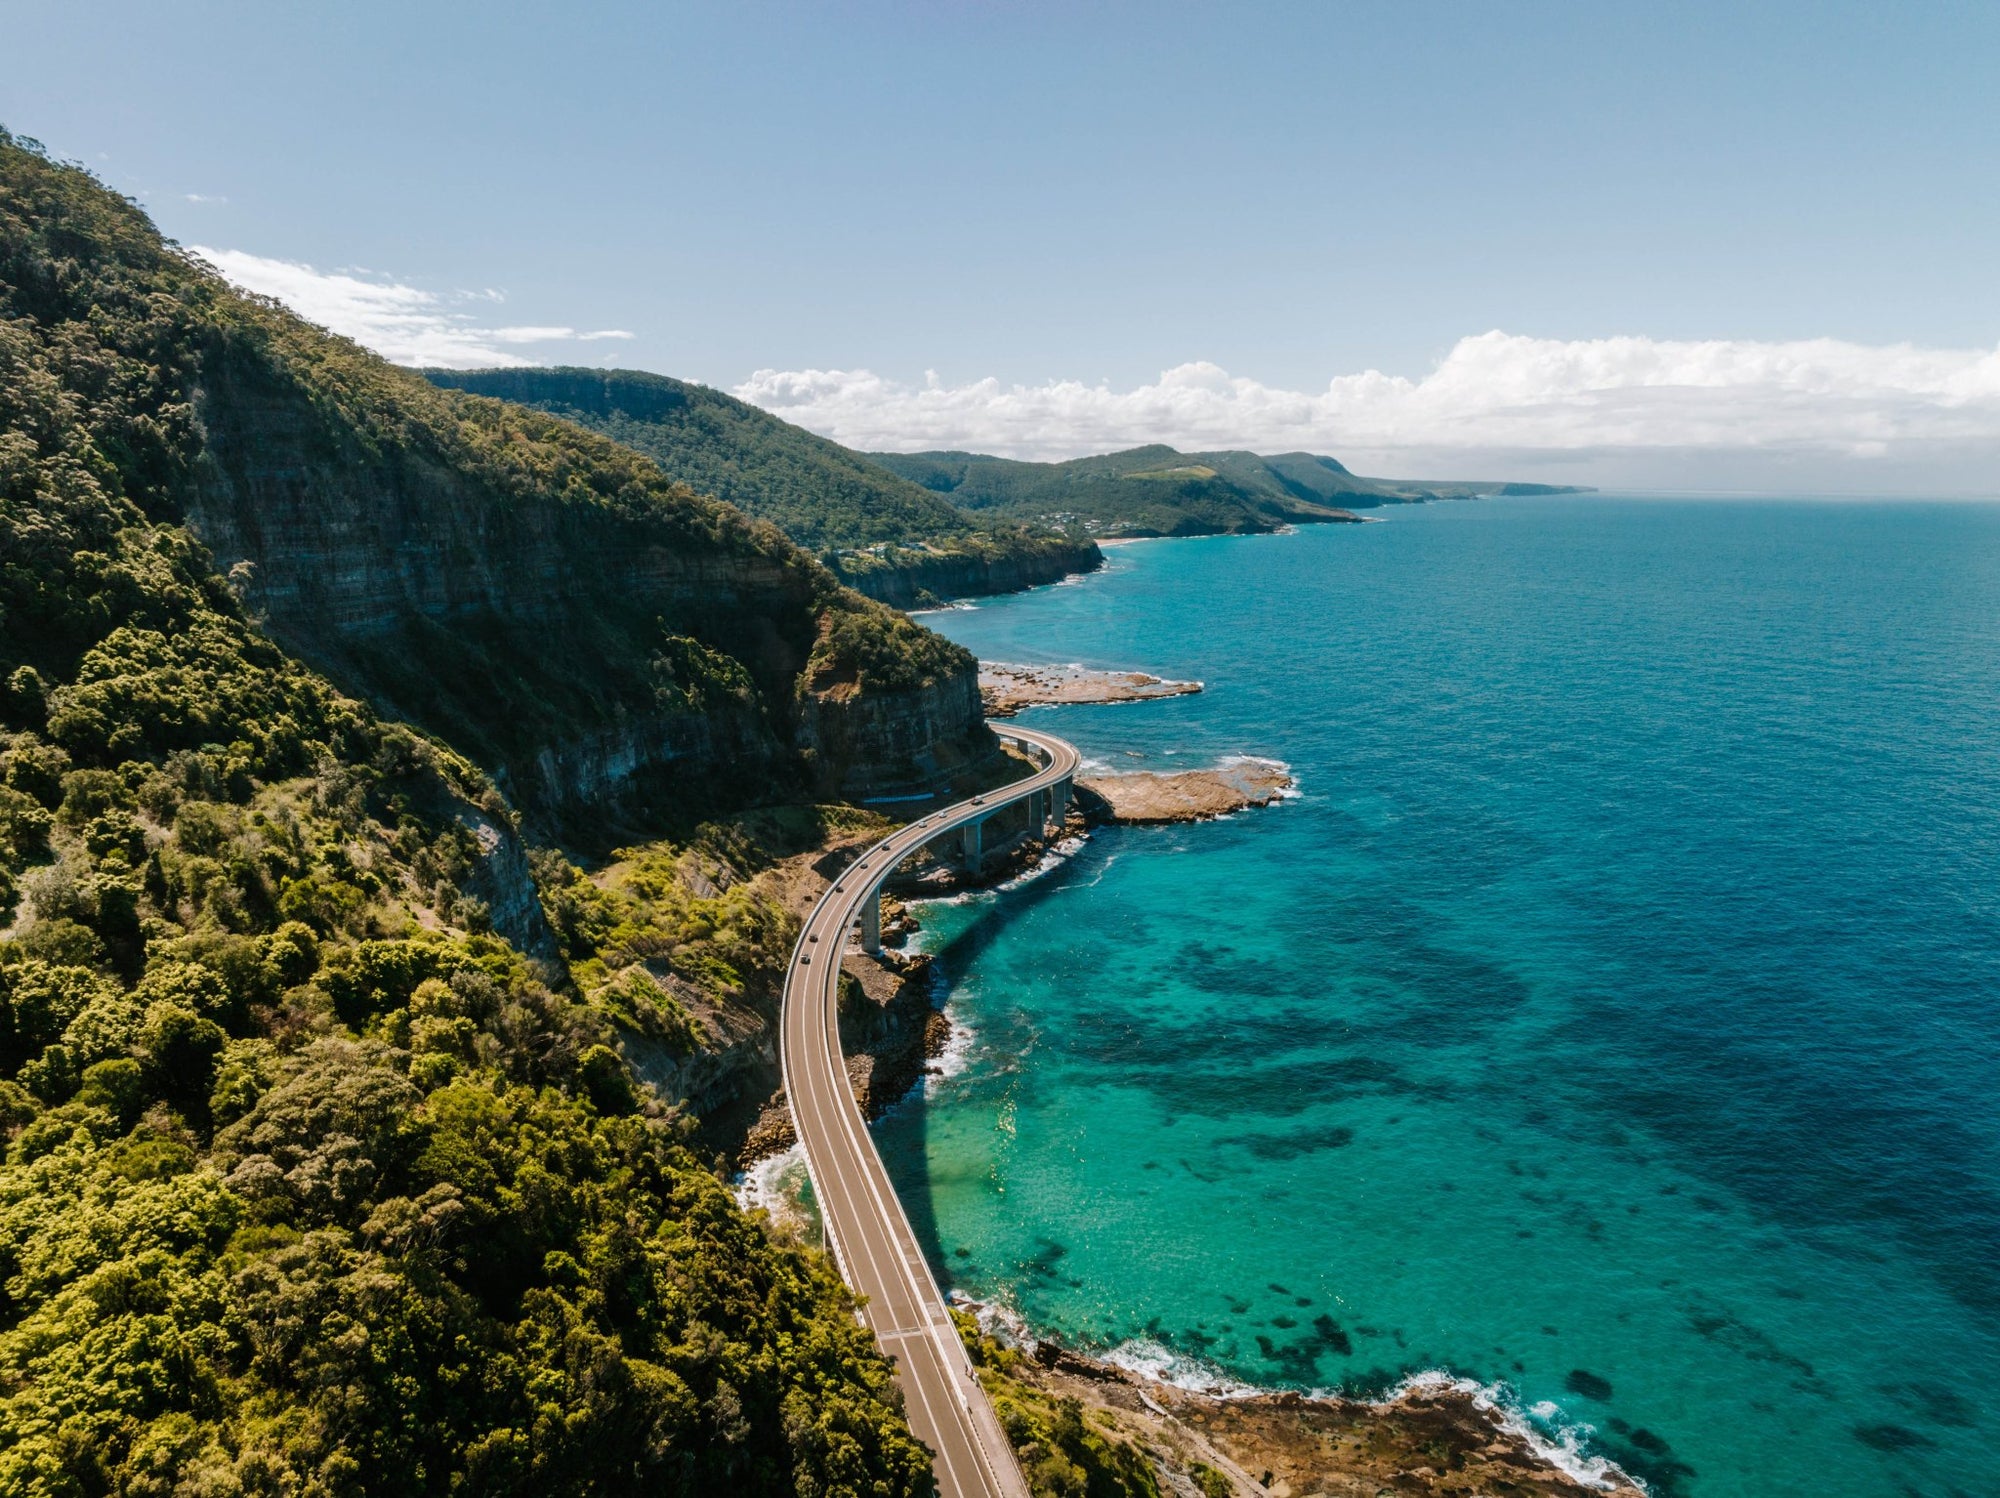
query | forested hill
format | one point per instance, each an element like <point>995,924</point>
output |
<point>325,1171</point>
<point>1158,491</point>
<point>882,534</point>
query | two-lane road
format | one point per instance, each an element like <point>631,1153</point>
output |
<point>865,1224</point>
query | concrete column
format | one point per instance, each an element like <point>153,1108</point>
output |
<point>871,922</point>
<point>1060,790</point>
<point>970,841</point>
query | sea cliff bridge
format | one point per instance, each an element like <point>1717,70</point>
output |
<point>865,1224</point>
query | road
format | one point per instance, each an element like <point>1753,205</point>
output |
<point>865,1224</point>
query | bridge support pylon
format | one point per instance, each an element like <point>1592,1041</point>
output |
<point>871,923</point>
<point>970,842</point>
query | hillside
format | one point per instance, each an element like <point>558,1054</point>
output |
<point>604,640</point>
<point>879,533</point>
<point>325,1170</point>
<point>1158,491</point>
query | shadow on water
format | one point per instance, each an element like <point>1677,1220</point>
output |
<point>909,1163</point>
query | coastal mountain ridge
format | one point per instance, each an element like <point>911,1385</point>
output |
<point>878,533</point>
<point>1158,490</point>
<point>913,529</point>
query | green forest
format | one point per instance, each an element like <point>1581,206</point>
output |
<point>878,532</point>
<point>315,1181</point>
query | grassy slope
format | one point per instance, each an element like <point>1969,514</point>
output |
<point>824,497</point>
<point>312,1183</point>
<point>1157,490</point>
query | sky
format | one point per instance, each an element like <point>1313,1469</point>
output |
<point>1733,247</point>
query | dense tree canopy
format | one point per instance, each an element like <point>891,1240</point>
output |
<point>862,519</point>
<point>323,1174</point>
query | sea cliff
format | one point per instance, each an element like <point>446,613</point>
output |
<point>597,653</point>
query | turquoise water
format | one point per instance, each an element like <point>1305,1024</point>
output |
<point>1614,1016</point>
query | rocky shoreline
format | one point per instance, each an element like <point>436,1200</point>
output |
<point>1432,1435</point>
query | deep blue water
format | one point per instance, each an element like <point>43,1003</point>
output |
<point>1615,1015</point>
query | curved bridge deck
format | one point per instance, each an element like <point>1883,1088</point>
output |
<point>866,1227</point>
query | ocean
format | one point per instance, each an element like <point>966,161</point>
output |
<point>1613,1017</point>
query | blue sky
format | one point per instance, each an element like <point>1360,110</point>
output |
<point>927,223</point>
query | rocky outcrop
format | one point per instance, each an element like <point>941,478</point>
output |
<point>894,743</point>
<point>1007,688</point>
<point>889,1028</point>
<point>737,1059</point>
<point>503,882</point>
<point>1186,796</point>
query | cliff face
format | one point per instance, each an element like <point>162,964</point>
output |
<point>624,660</point>
<point>912,579</point>
<point>888,743</point>
<point>359,541</point>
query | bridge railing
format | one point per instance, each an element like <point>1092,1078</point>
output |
<point>1047,806</point>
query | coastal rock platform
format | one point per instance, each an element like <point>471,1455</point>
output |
<point>1186,796</point>
<point>1436,1437</point>
<point>1008,688</point>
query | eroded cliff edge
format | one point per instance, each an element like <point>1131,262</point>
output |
<point>619,652</point>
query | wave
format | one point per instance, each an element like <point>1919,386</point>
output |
<point>1154,1360</point>
<point>1289,793</point>
<point>1053,858</point>
<point>1541,1427</point>
<point>953,1059</point>
<point>777,1184</point>
<point>957,1051</point>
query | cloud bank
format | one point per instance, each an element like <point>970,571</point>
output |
<point>402,323</point>
<point>1729,413</point>
<point>1495,394</point>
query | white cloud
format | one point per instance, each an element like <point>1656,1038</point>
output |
<point>400,322</point>
<point>202,197</point>
<point>1495,394</point>
<point>551,335</point>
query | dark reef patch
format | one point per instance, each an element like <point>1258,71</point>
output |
<point>1589,1385</point>
<point>1291,1146</point>
<point>1217,970</point>
<point>1887,1437</point>
<point>1935,1402</point>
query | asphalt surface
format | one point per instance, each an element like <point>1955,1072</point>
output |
<point>865,1224</point>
